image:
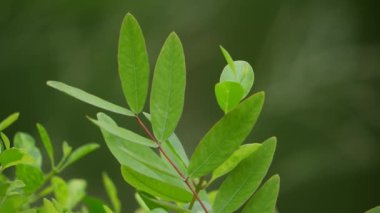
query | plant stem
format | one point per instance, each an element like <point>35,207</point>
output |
<point>184,178</point>
<point>198,187</point>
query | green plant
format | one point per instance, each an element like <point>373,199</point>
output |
<point>28,189</point>
<point>170,181</point>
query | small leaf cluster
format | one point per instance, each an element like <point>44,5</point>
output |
<point>25,187</point>
<point>171,180</point>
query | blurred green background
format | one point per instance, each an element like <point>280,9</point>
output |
<point>318,61</point>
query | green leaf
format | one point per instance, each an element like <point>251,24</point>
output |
<point>374,210</point>
<point>159,210</point>
<point>168,88</point>
<point>107,209</point>
<point>47,142</point>
<point>148,202</point>
<point>155,187</point>
<point>225,136</point>
<point>112,192</point>
<point>61,190</point>
<point>229,59</point>
<point>245,178</point>
<point>14,156</point>
<point>138,157</point>
<point>48,207</point>
<point>174,149</point>
<point>133,63</point>
<point>69,194</point>
<point>13,203</point>
<point>89,98</point>
<point>66,149</point>
<point>244,75</point>
<point>9,121</point>
<point>5,140</point>
<point>80,153</point>
<point>32,177</point>
<point>228,94</point>
<point>243,152</point>
<point>77,191</point>
<point>123,133</point>
<point>264,200</point>
<point>26,142</point>
<point>94,204</point>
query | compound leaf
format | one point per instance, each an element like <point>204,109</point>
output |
<point>168,88</point>
<point>133,63</point>
<point>245,178</point>
<point>225,136</point>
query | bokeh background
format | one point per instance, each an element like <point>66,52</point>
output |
<point>318,61</point>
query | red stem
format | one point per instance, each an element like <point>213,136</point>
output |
<point>185,179</point>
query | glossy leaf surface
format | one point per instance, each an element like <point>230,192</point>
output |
<point>168,88</point>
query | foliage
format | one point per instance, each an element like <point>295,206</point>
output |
<point>25,187</point>
<point>170,181</point>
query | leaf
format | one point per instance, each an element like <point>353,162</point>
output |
<point>61,190</point>
<point>174,149</point>
<point>245,178</point>
<point>94,204</point>
<point>32,177</point>
<point>77,191</point>
<point>48,207</point>
<point>89,98</point>
<point>13,156</point>
<point>374,210</point>
<point>26,142</point>
<point>123,133</point>
<point>151,203</point>
<point>225,136</point>
<point>264,200</point>
<point>244,75</point>
<point>229,59</point>
<point>9,121</point>
<point>155,187</point>
<point>112,192</point>
<point>80,153</point>
<point>168,88</point>
<point>228,94</point>
<point>69,194</point>
<point>47,142</point>
<point>5,140</point>
<point>107,209</point>
<point>243,152</point>
<point>13,203</point>
<point>133,63</point>
<point>138,157</point>
<point>66,149</point>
